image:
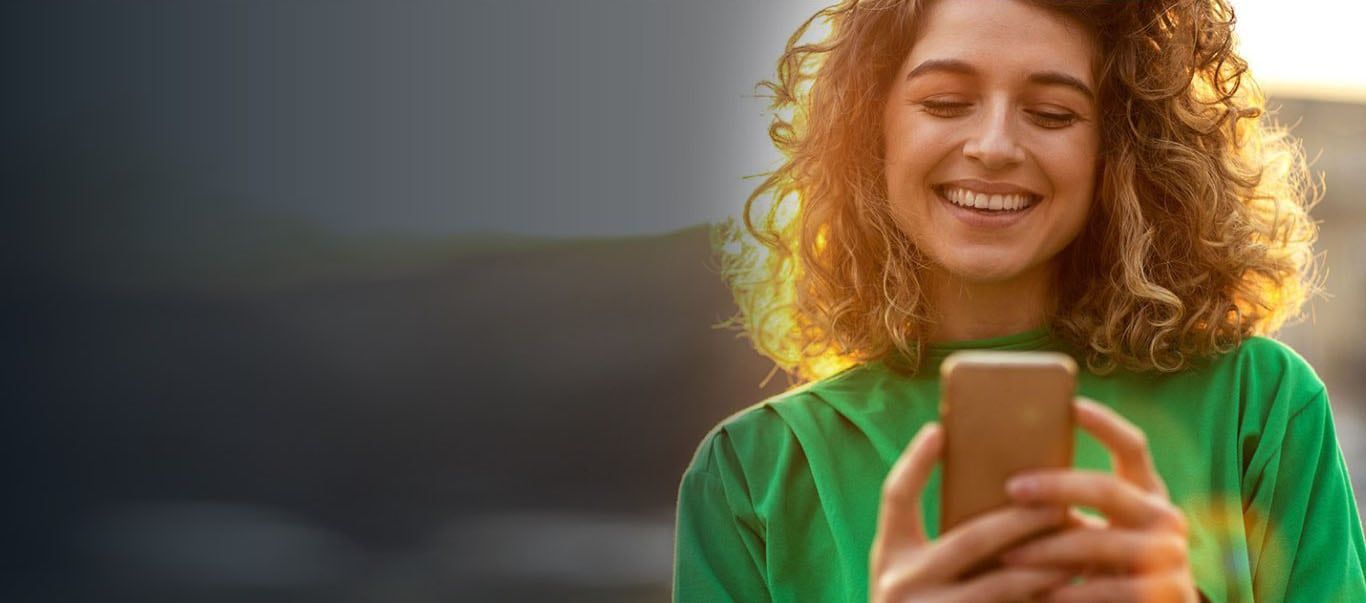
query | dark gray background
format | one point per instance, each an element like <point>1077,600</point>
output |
<point>567,118</point>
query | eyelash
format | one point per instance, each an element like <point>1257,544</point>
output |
<point>1045,119</point>
<point>1054,120</point>
<point>945,108</point>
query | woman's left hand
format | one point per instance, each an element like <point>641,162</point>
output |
<point>1138,553</point>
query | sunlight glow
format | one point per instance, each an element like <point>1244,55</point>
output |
<point>1310,48</point>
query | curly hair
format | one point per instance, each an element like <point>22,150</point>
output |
<point>1199,237</point>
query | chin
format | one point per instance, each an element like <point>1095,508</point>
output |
<point>985,272</point>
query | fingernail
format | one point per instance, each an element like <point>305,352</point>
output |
<point>1022,487</point>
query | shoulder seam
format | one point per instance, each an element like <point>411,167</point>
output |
<point>1321,393</point>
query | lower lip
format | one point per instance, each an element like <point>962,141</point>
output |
<point>984,218</point>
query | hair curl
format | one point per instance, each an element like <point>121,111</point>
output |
<point>1199,237</point>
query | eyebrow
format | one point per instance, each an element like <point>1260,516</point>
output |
<point>1044,78</point>
<point>1058,78</point>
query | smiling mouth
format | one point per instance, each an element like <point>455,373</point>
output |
<point>987,203</point>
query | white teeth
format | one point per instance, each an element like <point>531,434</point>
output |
<point>967,198</point>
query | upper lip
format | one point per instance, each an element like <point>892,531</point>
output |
<point>990,188</point>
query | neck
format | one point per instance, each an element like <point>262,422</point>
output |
<point>975,310</point>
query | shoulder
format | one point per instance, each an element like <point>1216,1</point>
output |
<point>1265,353</point>
<point>1268,365</point>
<point>1271,384</point>
<point>764,428</point>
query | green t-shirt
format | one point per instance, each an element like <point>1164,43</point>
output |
<point>780,502</point>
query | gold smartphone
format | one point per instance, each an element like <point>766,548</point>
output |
<point>1002,413</point>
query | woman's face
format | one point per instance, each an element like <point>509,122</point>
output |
<point>992,139</point>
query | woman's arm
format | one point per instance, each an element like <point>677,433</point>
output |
<point>718,552</point>
<point>1304,533</point>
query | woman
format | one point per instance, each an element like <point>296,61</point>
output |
<point>1086,176</point>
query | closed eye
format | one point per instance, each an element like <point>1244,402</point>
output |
<point>1050,119</point>
<point>940,108</point>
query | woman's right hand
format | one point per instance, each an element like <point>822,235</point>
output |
<point>906,566</point>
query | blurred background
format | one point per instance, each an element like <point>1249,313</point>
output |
<point>412,301</point>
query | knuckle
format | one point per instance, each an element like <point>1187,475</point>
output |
<point>895,492</point>
<point>895,583</point>
<point>1152,552</point>
<point>1140,439</point>
<point>1175,549</point>
<point>888,488</point>
<point>882,559</point>
<point>969,541</point>
<point>1179,521</point>
<point>1137,442</point>
<point>1161,553</point>
<point>889,586</point>
<point>1180,556</point>
<point>1172,518</point>
<point>889,485</point>
<point>884,585</point>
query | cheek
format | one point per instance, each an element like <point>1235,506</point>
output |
<point>1073,168</point>
<point>907,163</point>
<point>896,150</point>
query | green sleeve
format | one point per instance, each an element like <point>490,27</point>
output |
<point>718,550</point>
<point>1304,534</point>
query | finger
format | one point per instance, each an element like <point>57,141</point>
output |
<point>1009,584</point>
<point>899,525</point>
<point>1128,445</point>
<point>1115,550</point>
<point>1161,588</point>
<point>982,538</point>
<point>1122,502</point>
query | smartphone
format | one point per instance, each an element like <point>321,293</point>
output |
<point>1002,413</point>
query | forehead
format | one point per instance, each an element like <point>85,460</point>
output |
<point>1005,35</point>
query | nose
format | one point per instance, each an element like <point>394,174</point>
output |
<point>993,143</point>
